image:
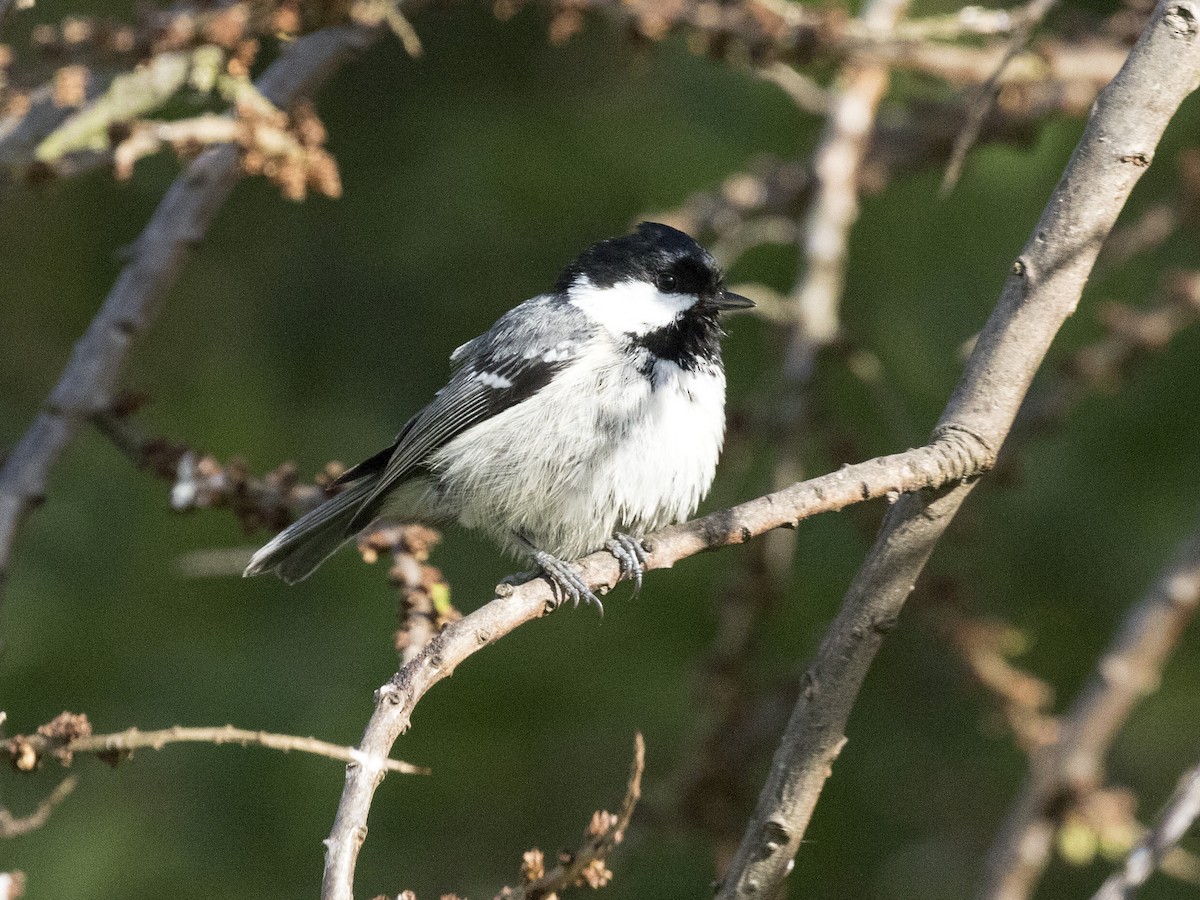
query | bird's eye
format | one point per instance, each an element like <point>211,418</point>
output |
<point>666,283</point>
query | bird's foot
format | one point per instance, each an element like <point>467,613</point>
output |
<point>566,580</point>
<point>632,556</point>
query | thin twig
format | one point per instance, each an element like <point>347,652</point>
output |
<point>985,94</point>
<point>1129,670</point>
<point>1176,818</point>
<point>833,211</point>
<point>13,826</point>
<point>28,751</point>
<point>1041,292</point>
<point>1131,333</point>
<point>199,481</point>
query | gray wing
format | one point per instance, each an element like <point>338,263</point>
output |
<point>505,366</point>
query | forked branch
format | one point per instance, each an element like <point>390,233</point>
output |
<point>1042,290</point>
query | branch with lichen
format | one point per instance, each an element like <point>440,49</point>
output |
<point>288,148</point>
<point>86,114</point>
<point>71,733</point>
<point>89,382</point>
<point>77,117</point>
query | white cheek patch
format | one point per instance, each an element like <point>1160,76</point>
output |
<point>628,307</point>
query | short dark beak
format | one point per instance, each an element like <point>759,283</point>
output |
<point>727,300</point>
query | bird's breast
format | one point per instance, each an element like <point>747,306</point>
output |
<point>601,448</point>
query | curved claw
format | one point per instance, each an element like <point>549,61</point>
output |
<point>632,556</point>
<point>566,580</point>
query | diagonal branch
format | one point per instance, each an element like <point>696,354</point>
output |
<point>1129,670</point>
<point>1180,813</point>
<point>89,381</point>
<point>1042,290</point>
<point>948,460</point>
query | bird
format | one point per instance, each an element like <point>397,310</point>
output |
<point>583,419</point>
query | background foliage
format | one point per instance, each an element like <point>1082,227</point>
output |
<point>311,331</point>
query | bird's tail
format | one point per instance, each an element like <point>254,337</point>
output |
<point>297,550</point>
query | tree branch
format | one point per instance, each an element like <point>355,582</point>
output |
<point>837,164</point>
<point>1073,765</point>
<point>949,459</point>
<point>14,826</point>
<point>89,381</point>
<point>1181,811</point>
<point>1042,290</point>
<point>69,734</point>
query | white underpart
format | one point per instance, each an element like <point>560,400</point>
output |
<point>628,307</point>
<point>602,448</point>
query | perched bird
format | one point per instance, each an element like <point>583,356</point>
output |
<point>582,419</point>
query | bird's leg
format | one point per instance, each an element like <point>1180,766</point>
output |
<point>632,556</point>
<point>563,576</point>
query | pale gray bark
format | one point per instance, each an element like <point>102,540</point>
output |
<point>1042,290</point>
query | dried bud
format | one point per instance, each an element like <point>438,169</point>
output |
<point>596,875</point>
<point>533,865</point>
<point>602,822</point>
<point>24,757</point>
<point>66,727</point>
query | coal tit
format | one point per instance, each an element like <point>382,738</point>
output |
<point>582,419</point>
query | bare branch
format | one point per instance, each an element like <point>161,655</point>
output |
<point>1073,765</point>
<point>1042,290</point>
<point>12,826</point>
<point>951,458</point>
<point>986,93</point>
<point>89,382</point>
<point>837,161</point>
<point>1176,818</point>
<point>70,734</point>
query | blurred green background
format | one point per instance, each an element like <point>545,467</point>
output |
<point>312,331</point>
